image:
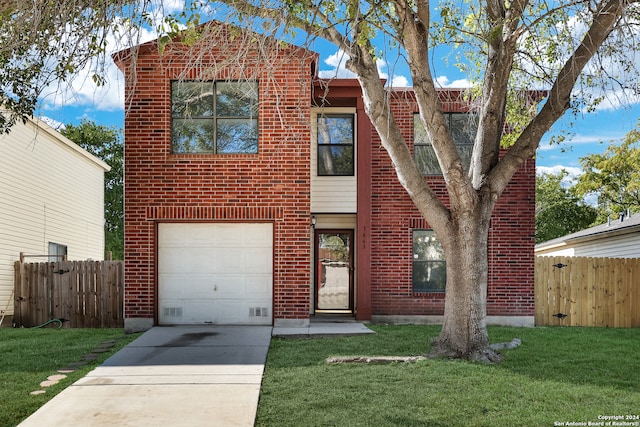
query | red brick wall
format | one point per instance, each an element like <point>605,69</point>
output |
<point>272,185</point>
<point>511,240</point>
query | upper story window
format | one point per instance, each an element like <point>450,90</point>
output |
<point>463,128</point>
<point>214,117</point>
<point>429,265</point>
<point>336,145</point>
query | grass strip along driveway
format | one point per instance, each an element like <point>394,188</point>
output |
<point>558,376</point>
<point>29,357</point>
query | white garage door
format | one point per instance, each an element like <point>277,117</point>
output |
<point>215,273</point>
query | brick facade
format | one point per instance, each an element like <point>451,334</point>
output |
<point>274,186</point>
<point>394,217</point>
<point>271,186</point>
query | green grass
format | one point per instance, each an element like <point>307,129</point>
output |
<point>556,375</point>
<point>29,356</point>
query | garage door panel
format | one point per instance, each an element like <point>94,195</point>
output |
<point>173,235</point>
<point>231,260</point>
<point>230,235</point>
<point>171,259</point>
<point>258,260</point>
<point>230,287</point>
<point>258,236</point>
<point>215,273</point>
<point>201,311</point>
<point>199,260</point>
<point>233,311</point>
<point>259,287</point>
<point>199,235</point>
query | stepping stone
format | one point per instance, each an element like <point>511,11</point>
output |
<point>76,364</point>
<point>90,356</point>
<point>66,370</point>
<point>100,350</point>
<point>37,392</point>
<point>56,377</point>
<point>48,383</point>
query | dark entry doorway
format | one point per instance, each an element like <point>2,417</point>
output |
<point>334,271</point>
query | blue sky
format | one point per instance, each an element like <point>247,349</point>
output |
<point>590,133</point>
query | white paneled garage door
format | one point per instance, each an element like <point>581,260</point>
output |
<point>215,273</point>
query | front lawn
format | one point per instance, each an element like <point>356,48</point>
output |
<point>29,356</point>
<point>558,376</point>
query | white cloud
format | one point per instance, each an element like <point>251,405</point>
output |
<point>573,172</point>
<point>82,91</point>
<point>399,81</point>
<point>338,70</point>
<point>443,82</point>
<point>52,123</point>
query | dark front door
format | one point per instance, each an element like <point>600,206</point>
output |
<point>334,270</point>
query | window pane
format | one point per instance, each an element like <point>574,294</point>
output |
<point>192,99</point>
<point>429,265</point>
<point>335,145</point>
<point>192,136</point>
<point>236,99</point>
<point>426,160</point>
<point>237,136</point>
<point>429,276</point>
<point>463,128</point>
<point>335,129</point>
<point>335,160</point>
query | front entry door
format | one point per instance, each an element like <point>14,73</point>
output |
<point>334,270</point>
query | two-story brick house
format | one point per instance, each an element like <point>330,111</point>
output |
<point>258,193</point>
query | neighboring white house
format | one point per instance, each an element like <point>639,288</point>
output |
<point>51,201</point>
<point>616,239</point>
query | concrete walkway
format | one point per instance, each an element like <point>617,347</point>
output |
<point>169,376</point>
<point>177,376</point>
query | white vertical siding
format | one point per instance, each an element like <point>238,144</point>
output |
<point>50,191</point>
<point>332,194</point>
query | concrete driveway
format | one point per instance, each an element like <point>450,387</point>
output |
<point>172,376</point>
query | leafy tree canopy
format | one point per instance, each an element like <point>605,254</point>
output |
<point>558,211</point>
<point>614,176</point>
<point>106,143</point>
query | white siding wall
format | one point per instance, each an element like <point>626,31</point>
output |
<point>621,246</point>
<point>332,194</point>
<point>49,192</point>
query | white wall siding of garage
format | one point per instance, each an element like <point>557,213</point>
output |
<point>50,191</point>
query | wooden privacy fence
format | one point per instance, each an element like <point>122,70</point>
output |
<point>603,292</point>
<point>89,294</point>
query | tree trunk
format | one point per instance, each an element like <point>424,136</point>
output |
<point>464,331</point>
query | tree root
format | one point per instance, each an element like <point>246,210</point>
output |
<point>489,355</point>
<point>381,360</point>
